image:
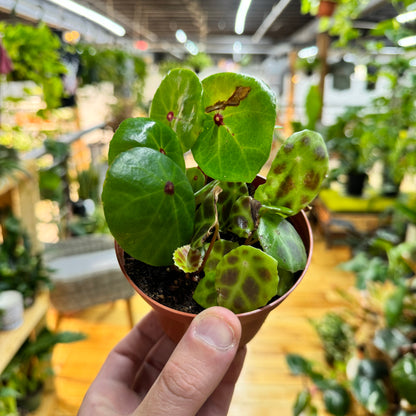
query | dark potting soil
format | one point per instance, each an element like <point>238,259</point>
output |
<point>167,285</point>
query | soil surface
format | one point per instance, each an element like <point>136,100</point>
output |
<point>167,285</point>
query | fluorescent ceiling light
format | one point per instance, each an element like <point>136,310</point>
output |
<point>406,17</point>
<point>309,52</point>
<point>191,47</point>
<point>89,14</point>
<point>181,36</point>
<point>240,18</point>
<point>407,41</point>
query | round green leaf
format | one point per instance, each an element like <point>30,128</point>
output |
<point>149,205</point>
<point>238,125</point>
<point>177,103</point>
<point>403,375</point>
<point>337,400</point>
<point>280,240</point>
<point>144,132</point>
<point>371,394</point>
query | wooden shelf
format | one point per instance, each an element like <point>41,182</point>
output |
<point>11,341</point>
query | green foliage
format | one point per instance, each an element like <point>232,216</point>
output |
<point>9,161</point>
<point>336,336</point>
<point>379,322</point>
<point>335,396</point>
<point>20,268</point>
<point>30,367</point>
<point>34,51</point>
<point>126,71</point>
<point>206,219</point>
<point>196,62</point>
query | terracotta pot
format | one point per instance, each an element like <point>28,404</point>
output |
<point>326,8</point>
<point>175,322</point>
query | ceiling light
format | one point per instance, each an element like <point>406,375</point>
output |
<point>89,14</point>
<point>406,17</point>
<point>240,18</point>
<point>309,52</point>
<point>191,47</point>
<point>237,47</point>
<point>181,36</point>
<point>407,41</point>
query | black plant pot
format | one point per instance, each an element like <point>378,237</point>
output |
<point>355,183</point>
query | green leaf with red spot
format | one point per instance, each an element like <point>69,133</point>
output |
<point>246,279</point>
<point>238,126</point>
<point>297,172</point>
<point>177,103</point>
<point>280,240</point>
<point>196,178</point>
<point>187,259</point>
<point>149,205</point>
<point>144,132</point>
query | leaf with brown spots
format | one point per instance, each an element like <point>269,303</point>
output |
<point>187,259</point>
<point>296,173</point>
<point>246,279</point>
<point>206,292</point>
<point>238,95</point>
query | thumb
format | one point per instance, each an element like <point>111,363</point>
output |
<point>196,367</point>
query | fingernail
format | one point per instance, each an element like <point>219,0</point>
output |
<point>215,332</point>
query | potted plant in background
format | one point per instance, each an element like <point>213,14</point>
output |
<point>20,268</point>
<point>26,377</point>
<point>369,347</point>
<point>344,140</point>
<point>217,231</point>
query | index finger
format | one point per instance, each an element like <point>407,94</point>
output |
<point>127,356</point>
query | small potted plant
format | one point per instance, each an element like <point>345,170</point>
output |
<point>218,230</point>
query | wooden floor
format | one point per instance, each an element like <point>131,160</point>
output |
<point>265,386</point>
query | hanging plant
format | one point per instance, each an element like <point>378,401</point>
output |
<point>34,51</point>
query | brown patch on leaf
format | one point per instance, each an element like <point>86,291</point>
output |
<point>288,147</point>
<point>320,153</point>
<point>239,303</point>
<point>229,277</point>
<point>264,274</point>
<point>279,168</point>
<point>238,95</point>
<point>285,187</point>
<point>311,180</point>
<point>306,140</point>
<point>251,288</point>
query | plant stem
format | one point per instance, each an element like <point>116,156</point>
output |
<point>211,244</point>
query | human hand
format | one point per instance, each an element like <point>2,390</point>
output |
<point>146,375</point>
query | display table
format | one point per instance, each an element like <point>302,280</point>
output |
<point>338,214</point>
<point>34,318</point>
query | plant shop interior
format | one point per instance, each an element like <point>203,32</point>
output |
<point>344,342</point>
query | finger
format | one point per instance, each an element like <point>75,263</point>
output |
<point>196,367</point>
<point>219,401</point>
<point>124,361</point>
<point>153,365</point>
